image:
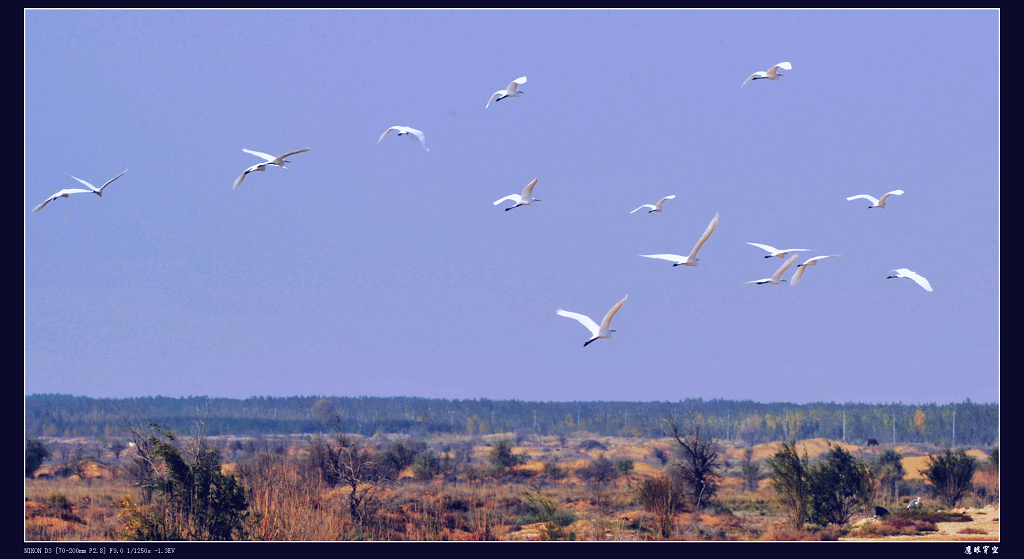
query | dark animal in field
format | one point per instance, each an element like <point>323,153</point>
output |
<point>872,442</point>
<point>881,512</point>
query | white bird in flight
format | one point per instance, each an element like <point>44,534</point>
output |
<point>876,202</point>
<point>776,252</point>
<point>404,131</point>
<point>691,259</point>
<point>270,160</point>
<point>601,331</point>
<point>800,268</point>
<point>776,277</point>
<point>69,191</point>
<point>526,199</point>
<point>908,274</point>
<point>512,91</point>
<point>771,74</point>
<point>654,207</point>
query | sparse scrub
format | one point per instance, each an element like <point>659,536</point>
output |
<point>286,485</point>
<point>660,496</point>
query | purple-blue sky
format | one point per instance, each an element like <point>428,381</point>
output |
<point>385,270</point>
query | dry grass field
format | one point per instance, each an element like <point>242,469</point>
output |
<point>475,506</point>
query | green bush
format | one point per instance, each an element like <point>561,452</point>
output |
<point>426,465</point>
<point>35,454</point>
<point>502,458</point>
<point>790,481</point>
<point>839,484</point>
<point>950,475</point>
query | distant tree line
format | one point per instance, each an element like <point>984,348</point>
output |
<point>955,424</point>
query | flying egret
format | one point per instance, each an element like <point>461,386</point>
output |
<point>270,160</point>
<point>404,131</point>
<point>654,207</point>
<point>98,191</point>
<point>690,260</point>
<point>526,199</point>
<point>771,74</point>
<point>876,202</point>
<point>511,91</point>
<point>801,267</point>
<point>775,279</point>
<point>908,274</point>
<point>601,331</point>
<point>69,191</point>
<point>776,252</point>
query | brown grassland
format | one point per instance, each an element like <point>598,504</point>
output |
<point>474,504</point>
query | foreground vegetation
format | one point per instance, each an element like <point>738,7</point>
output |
<point>339,486</point>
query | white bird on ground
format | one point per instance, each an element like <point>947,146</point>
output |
<point>69,191</point>
<point>404,131</point>
<point>601,331</point>
<point>908,274</point>
<point>691,259</point>
<point>511,91</point>
<point>876,202</point>
<point>270,160</point>
<point>776,252</point>
<point>526,199</point>
<point>776,277</point>
<point>800,268</point>
<point>654,207</point>
<point>771,74</point>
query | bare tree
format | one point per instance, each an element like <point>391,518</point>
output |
<point>698,452</point>
<point>360,469</point>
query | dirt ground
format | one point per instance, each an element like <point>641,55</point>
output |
<point>984,519</point>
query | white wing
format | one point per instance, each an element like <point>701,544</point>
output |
<point>662,201</point>
<point>608,317</point>
<point>238,181</point>
<point>652,206</point>
<point>893,193</point>
<point>905,273</point>
<point>113,179</point>
<point>514,197</point>
<point>784,267</point>
<point>419,134</point>
<point>266,156</point>
<point>586,320</point>
<point>873,200</point>
<point>704,237</point>
<point>91,187</point>
<point>920,280</point>
<point>386,132</point>
<point>813,261</point>
<point>784,66</point>
<point>669,257</point>
<point>809,262</point>
<point>516,83</point>
<point>280,159</point>
<point>256,167</point>
<point>769,248</point>
<point>752,76</point>
<point>494,96</point>
<point>65,193</point>
<point>528,191</point>
<point>799,273</point>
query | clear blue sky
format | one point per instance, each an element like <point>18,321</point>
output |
<point>385,270</point>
